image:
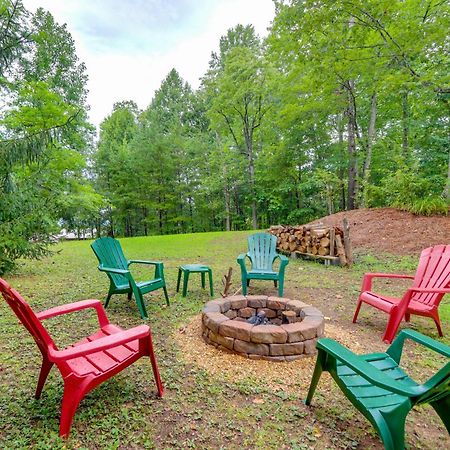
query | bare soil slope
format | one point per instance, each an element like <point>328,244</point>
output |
<point>391,230</point>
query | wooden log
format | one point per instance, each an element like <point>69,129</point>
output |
<point>320,233</point>
<point>323,251</point>
<point>292,246</point>
<point>288,316</point>
<point>332,241</point>
<point>347,243</point>
<point>324,242</point>
<point>340,250</point>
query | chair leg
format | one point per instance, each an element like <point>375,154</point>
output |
<point>394,321</point>
<point>442,407</point>
<point>248,283</point>
<point>108,298</point>
<point>358,307</point>
<point>155,369</point>
<point>185,282</point>
<point>320,364</point>
<point>166,295</point>
<point>211,290</point>
<point>179,279</point>
<point>140,304</point>
<point>203,276</point>
<point>391,429</point>
<point>407,317</point>
<point>45,369</point>
<point>73,394</point>
<point>245,283</point>
<point>437,321</point>
<point>129,295</point>
<point>280,287</point>
<point>275,283</point>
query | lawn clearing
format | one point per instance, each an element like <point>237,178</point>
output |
<point>224,402</point>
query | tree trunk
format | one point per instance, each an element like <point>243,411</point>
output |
<point>370,139</point>
<point>405,124</point>
<point>351,147</point>
<point>251,171</point>
<point>160,220</point>
<point>329,194</point>
<point>112,223</point>
<point>341,170</point>
<point>446,192</point>
<point>226,193</point>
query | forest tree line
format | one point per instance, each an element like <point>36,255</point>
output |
<point>343,105</point>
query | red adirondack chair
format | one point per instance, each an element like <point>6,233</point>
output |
<point>431,283</point>
<point>89,362</point>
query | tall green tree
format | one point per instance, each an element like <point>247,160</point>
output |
<point>373,63</point>
<point>38,126</point>
<point>237,87</point>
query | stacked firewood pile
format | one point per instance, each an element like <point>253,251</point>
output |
<point>314,240</point>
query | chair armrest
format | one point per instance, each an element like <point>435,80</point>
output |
<point>241,261</point>
<point>396,348</point>
<point>283,259</point>
<point>368,277</point>
<point>139,261</point>
<point>430,290</point>
<point>159,266</point>
<point>366,370</point>
<point>98,345</point>
<point>387,275</point>
<point>76,306</point>
<point>113,270</point>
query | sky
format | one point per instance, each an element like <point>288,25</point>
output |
<point>129,46</point>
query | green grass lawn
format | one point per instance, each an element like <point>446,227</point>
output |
<point>199,410</point>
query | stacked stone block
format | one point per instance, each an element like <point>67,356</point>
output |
<point>224,325</point>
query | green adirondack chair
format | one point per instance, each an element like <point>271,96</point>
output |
<point>380,389</point>
<point>262,254</point>
<point>113,262</point>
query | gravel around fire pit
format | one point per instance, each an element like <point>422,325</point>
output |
<point>289,377</point>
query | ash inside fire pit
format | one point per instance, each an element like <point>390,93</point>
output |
<point>259,319</point>
<point>261,327</point>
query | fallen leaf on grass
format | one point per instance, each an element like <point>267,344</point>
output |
<point>258,401</point>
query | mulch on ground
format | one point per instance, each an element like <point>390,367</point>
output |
<point>285,376</point>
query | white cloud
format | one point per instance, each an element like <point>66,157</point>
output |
<point>130,46</point>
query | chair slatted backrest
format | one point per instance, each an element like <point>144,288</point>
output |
<point>433,272</point>
<point>262,250</point>
<point>109,254</point>
<point>27,317</point>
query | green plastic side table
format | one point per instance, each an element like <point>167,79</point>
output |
<point>194,268</point>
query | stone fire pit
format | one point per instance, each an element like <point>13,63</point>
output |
<point>292,333</point>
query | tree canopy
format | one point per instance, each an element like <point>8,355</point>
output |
<point>343,105</point>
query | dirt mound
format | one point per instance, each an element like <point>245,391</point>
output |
<point>391,230</point>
